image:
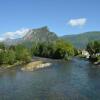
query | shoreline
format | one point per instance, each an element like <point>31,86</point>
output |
<point>93,60</point>
<point>6,67</point>
<point>45,62</point>
<point>36,63</point>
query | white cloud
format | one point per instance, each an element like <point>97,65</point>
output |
<point>77,22</point>
<point>1,38</point>
<point>16,34</point>
<point>13,35</point>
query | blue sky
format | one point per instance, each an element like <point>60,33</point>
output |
<point>61,16</point>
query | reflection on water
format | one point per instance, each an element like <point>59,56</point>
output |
<point>74,80</point>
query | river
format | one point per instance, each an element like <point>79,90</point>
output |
<point>73,80</point>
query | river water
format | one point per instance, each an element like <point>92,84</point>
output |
<point>73,80</point>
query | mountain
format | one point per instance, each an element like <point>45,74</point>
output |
<point>42,34</point>
<point>80,40</point>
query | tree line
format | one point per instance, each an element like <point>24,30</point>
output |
<point>94,50</point>
<point>16,53</point>
<point>55,50</point>
<point>13,54</point>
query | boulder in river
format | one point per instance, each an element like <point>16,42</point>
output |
<point>35,65</point>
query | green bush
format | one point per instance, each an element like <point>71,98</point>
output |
<point>7,57</point>
<point>11,57</point>
<point>57,50</point>
<point>93,47</point>
<point>14,54</point>
<point>22,53</point>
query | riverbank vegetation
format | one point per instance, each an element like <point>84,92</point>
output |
<point>59,49</point>
<point>14,54</point>
<point>94,50</point>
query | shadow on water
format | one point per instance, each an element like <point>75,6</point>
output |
<point>73,80</point>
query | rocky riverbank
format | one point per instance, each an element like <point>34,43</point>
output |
<point>95,59</point>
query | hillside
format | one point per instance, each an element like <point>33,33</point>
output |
<point>80,40</point>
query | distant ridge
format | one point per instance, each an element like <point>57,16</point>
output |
<point>80,40</point>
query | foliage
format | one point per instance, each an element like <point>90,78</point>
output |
<point>1,57</point>
<point>63,49</point>
<point>11,57</point>
<point>7,57</point>
<point>93,47</point>
<point>14,54</point>
<point>22,53</point>
<point>2,46</point>
<point>57,50</point>
<point>94,50</point>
